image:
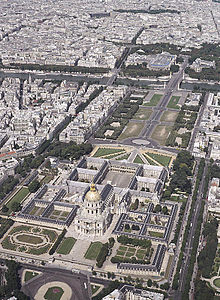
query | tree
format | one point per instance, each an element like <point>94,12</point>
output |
<point>157,208</point>
<point>111,242</point>
<point>4,209</point>
<point>34,186</point>
<point>174,68</point>
<point>207,255</point>
<point>15,206</point>
<point>149,282</point>
<point>183,157</point>
<point>167,194</point>
<point>165,210</point>
<point>135,205</point>
<point>127,227</point>
<point>48,164</point>
<point>202,291</point>
<point>165,286</point>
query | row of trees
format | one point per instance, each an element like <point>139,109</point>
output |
<point>183,122</point>
<point>105,250</point>
<point>123,113</point>
<point>29,162</point>
<point>135,242</point>
<point>194,252</point>
<point>157,48</point>
<point>7,186</point>
<point>185,162</point>
<point>187,228</point>
<point>61,68</point>
<point>5,225</point>
<point>68,151</point>
<point>141,70</point>
<point>92,96</point>
<point>159,209</point>
<point>132,260</point>
<point>148,11</point>
<point>57,243</point>
<point>207,254</point>
<point>34,186</point>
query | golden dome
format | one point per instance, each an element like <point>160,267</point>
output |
<point>92,195</point>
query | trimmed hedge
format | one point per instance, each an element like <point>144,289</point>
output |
<point>57,243</point>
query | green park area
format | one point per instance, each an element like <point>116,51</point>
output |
<point>93,250</point>
<point>173,103</point>
<point>46,179</point>
<point>94,288</point>
<point>29,239</point>
<point>169,116</point>
<point>123,157</point>
<point>132,254</point>
<point>150,161</point>
<point>133,129</point>
<point>217,282</point>
<point>66,245</point>
<point>17,198</point>
<point>143,114</point>
<point>54,293</point>
<point>161,133</point>
<point>138,160</point>
<point>107,151</point>
<point>169,265</point>
<point>156,234</point>
<point>161,159</point>
<point>154,100</point>
<point>29,275</point>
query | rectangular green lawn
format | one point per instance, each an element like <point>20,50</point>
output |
<point>143,114</point>
<point>154,100</point>
<point>156,234</point>
<point>161,159</point>
<point>18,197</point>
<point>122,248</point>
<point>131,249</point>
<point>66,245</point>
<point>120,253</point>
<point>173,103</point>
<point>93,250</point>
<point>129,254</point>
<point>140,256</point>
<point>160,133</point>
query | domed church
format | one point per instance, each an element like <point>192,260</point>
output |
<point>92,218</point>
